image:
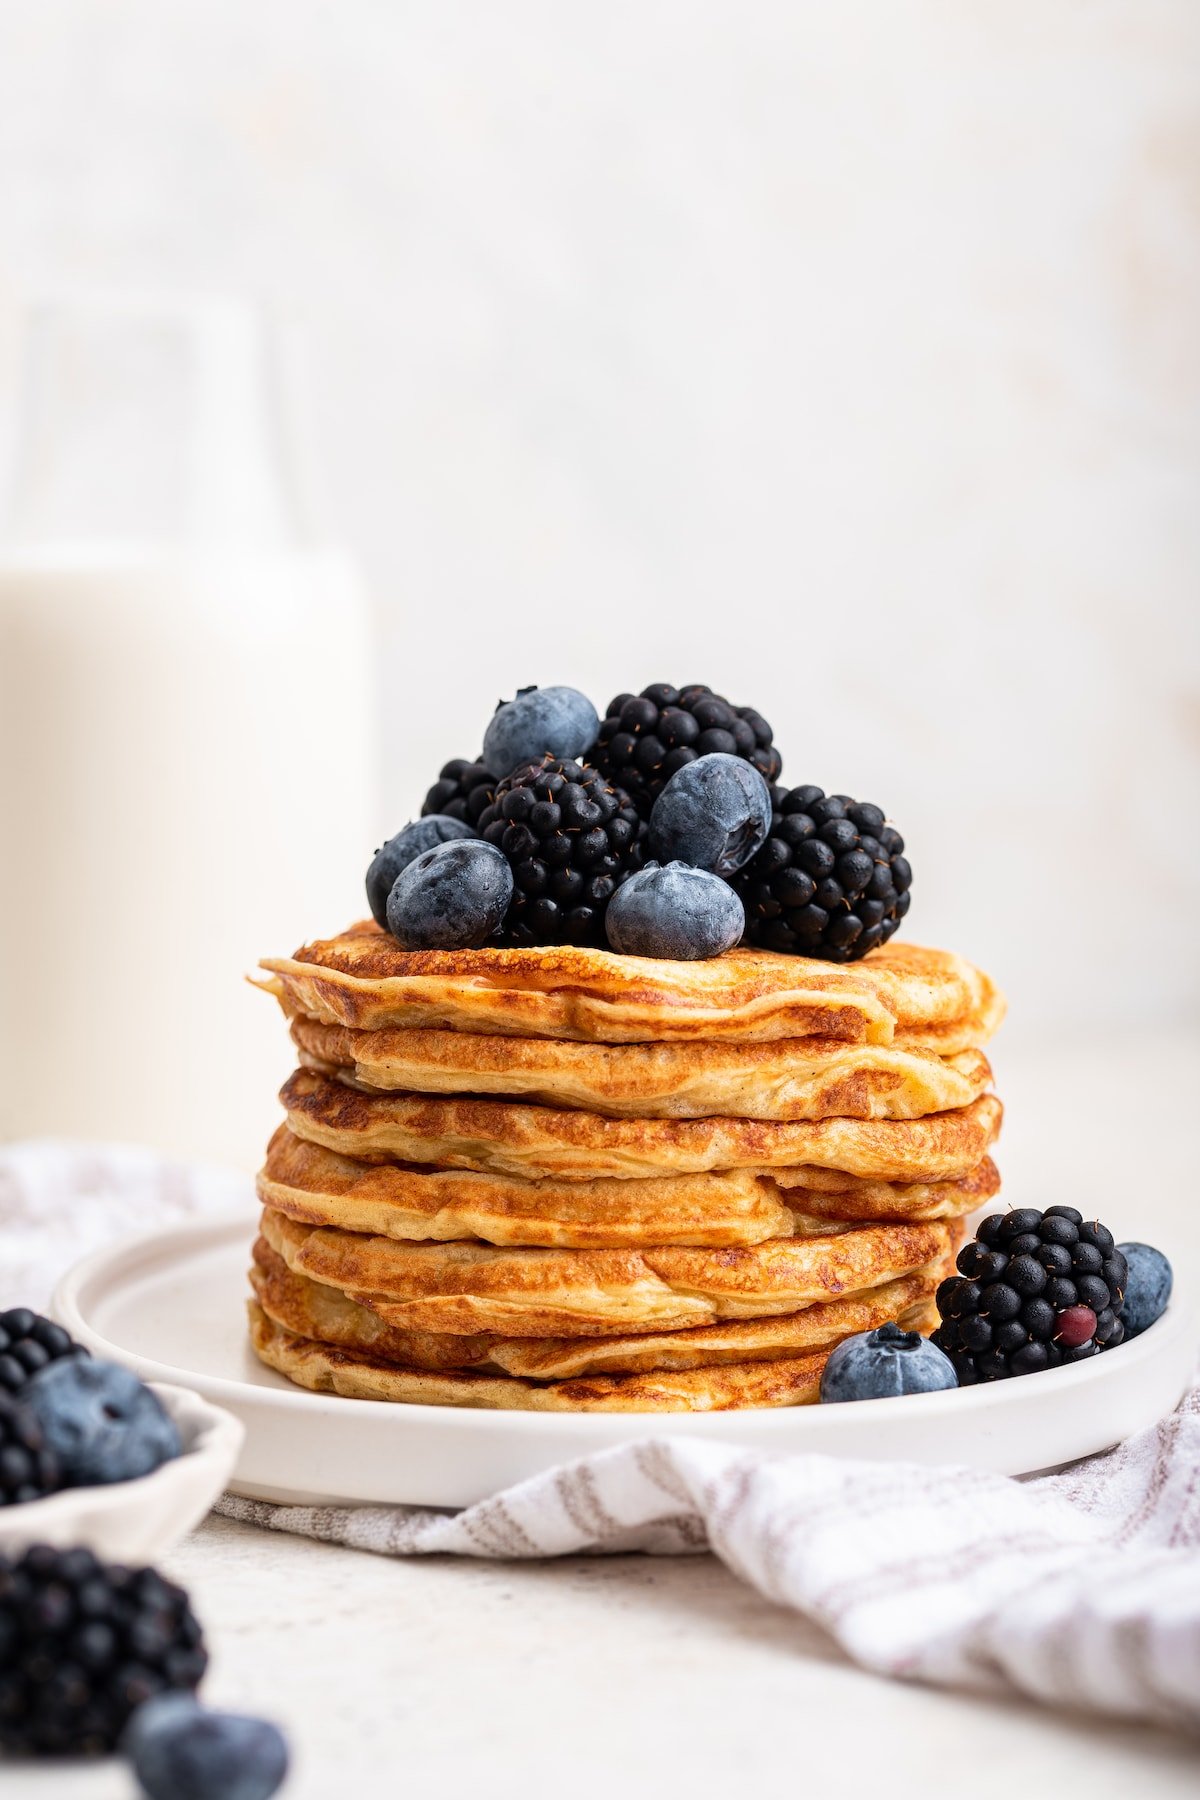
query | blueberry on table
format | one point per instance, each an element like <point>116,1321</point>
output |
<point>885,1363</point>
<point>452,897</point>
<point>1148,1288</point>
<point>399,851</point>
<point>677,912</point>
<point>549,721</point>
<point>100,1422</point>
<point>714,814</point>
<point>181,1751</point>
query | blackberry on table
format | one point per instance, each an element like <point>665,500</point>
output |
<point>27,1343</point>
<point>646,738</point>
<point>831,881</point>
<point>28,1467</point>
<point>82,1644</point>
<point>462,791</point>
<point>571,839</point>
<point>1034,1290</point>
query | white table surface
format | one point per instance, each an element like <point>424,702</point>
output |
<point>664,1677</point>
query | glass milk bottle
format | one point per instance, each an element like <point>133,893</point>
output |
<point>186,729</point>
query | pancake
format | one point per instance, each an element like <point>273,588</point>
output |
<point>311,1309</point>
<point>929,999</point>
<point>741,1206</point>
<point>469,1287</point>
<point>358,1375</point>
<point>320,1187</point>
<point>828,1195</point>
<point>783,1078</point>
<point>536,1141</point>
<point>316,1310</point>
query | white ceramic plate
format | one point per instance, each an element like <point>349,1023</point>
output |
<point>137,1521</point>
<point>172,1307</point>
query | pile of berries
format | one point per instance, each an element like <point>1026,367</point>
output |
<point>1035,1290</point>
<point>656,831</point>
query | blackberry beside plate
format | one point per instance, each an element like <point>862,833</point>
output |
<point>1034,1290</point>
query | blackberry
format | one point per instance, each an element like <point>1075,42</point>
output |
<point>28,1468</point>
<point>461,791</point>
<point>1034,1290</point>
<point>82,1643</point>
<point>645,738</point>
<point>831,881</point>
<point>571,839</point>
<point>27,1343</point>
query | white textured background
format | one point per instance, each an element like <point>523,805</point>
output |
<point>845,357</point>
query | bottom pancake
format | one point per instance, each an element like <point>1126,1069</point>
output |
<point>312,1310</point>
<point>358,1375</point>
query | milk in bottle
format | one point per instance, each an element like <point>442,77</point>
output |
<point>186,732</point>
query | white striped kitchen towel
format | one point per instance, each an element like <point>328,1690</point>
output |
<point>1080,1589</point>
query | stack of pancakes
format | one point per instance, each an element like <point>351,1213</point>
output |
<point>566,1180</point>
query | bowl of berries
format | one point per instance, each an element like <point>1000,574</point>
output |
<point>91,1455</point>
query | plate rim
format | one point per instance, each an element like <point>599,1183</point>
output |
<point>123,1258</point>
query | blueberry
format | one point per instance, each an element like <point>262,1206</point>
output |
<point>676,912</point>
<point>101,1422</point>
<point>713,813</point>
<point>555,721</point>
<point>876,1365</point>
<point>451,897</point>
<point>399,851</point>
<point>181,1751</point>
<point>1148,1288</point>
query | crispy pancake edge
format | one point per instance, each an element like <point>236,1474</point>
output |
<point>317,1186</point>
<point>787,1078</point>
<point>309,1309</point>
<point>363,979</point>
<point>791,1381</point>
<point>531,1141</point>
<point>470,1287</point>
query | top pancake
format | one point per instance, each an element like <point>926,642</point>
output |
<point>928,999</point>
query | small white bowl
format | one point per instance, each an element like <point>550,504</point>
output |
<point>137,1521</point>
